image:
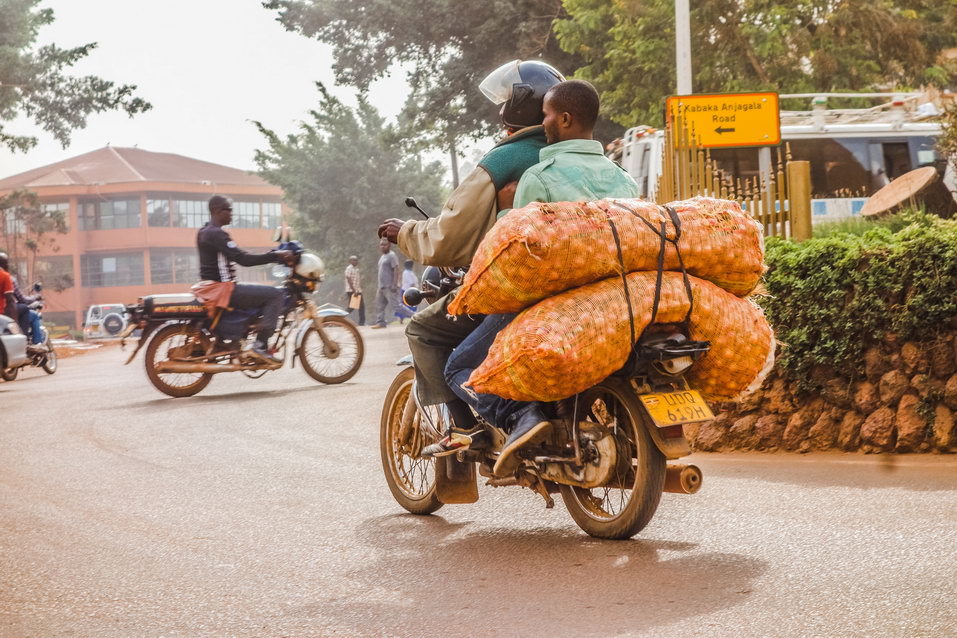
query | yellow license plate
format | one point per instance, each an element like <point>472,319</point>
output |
<point>675,408</point>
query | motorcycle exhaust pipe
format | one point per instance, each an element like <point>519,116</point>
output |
<point>183,366</point>
<point>683,479</point>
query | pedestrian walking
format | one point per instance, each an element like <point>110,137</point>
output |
<point>389,277</point>
<point>354,299</point>
<point>409,280</point>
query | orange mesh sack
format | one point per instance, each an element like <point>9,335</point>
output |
<point>569,342</point>
<point>543,249</point>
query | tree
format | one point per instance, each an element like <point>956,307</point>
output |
<point>29,228</point>
<point>343,172</point>
<point>34,83</point>
<point>446,45</point>
<point>746,45</point>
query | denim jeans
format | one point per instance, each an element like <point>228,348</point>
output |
<point>269,301</point>
<point>29,323</point>
<point>467,357</point>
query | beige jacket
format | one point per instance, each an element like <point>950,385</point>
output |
<point>451,238</point>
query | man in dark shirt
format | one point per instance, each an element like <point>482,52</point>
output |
<point>218,254</point>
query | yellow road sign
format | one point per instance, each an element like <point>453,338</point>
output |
<point>729,119</point>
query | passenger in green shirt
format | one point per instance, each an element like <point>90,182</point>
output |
<point>572,168</point>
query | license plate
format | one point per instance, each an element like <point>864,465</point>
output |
<point>675,408</point>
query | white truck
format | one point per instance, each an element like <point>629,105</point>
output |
<point>853,152</point>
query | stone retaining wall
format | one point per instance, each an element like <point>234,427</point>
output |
<point>905,402</point>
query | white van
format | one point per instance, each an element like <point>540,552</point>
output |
<point>104,321</point>
<point>853,152</point>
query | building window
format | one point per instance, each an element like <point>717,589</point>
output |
<point>189,213</point>
<point>174,265</point>
<point>272,215</point>
<point>112,269</point>
<point>56,273</point>
<point>14,225</point>
<point>157,212</point>
<point>109,214</point>
<point>245,215</point>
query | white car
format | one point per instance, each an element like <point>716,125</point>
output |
<point>13,345</point>
<point>104,321</point>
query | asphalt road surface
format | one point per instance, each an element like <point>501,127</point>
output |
<point>258,508</point>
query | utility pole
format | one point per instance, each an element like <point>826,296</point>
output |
<point>683,46</point>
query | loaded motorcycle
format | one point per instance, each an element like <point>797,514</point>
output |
<point>41,355</point>
<point>607,450</point>
<point>185,346</point>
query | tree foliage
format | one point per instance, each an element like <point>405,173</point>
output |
<point>34,229</point>
<point>628,47</point>
<point>343,172</point>
<point>34,80</point>
<point>447,46</point>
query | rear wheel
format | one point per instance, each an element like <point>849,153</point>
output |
<point>327,365</point>
<point>170,342</point>
<point>626,505</point>
<point>411,478</point>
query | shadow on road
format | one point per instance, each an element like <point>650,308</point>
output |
<point>548,581</point>
<point>167,403</point>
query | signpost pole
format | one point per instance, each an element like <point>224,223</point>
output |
<point>764,167</point>
<point>683,46</point>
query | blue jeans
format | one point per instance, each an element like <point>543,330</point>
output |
<point>467,357</point>
<point>29,322</point>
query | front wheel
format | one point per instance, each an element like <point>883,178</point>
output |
<point>9,374</point>
<point>411,477</point>
<point>176,340</point>
<point>624,506</point>
<point>49,359</point>
<point>332,366</point>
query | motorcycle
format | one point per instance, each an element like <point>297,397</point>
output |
<point>607,451</point>
<point>41,355</point>
<point>185,347</point>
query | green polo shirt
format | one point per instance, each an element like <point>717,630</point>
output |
<point>573,171</point>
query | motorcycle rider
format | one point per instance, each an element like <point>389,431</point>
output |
<point>218,254</point>
<point>8,301</point>
<point>451,238</point>
<point>573,168</point>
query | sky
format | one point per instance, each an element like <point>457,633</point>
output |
<point>209,67</point>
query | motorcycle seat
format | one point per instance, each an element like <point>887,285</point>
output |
<point>177,305</point>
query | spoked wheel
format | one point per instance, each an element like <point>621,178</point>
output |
<point>622,508</point>
<point>332,365</point>
<point>411,478</point>
<point>176,341</point>
<point>9,374</point>
<point>49,359</point>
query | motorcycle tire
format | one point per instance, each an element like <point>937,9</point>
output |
<point>332,369</point>
<point>619,512</point>
<point>411,478</point>
<point>50,360</point>
<point>9,374</point>
<point>165,336</point>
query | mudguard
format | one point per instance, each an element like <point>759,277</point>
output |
<point>455,482</point>
<point>326,310</point>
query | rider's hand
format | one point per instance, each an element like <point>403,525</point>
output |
<point>390,229</point>
<point>506,196</point>
<point>286,257</point>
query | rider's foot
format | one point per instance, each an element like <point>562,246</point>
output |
<point>531,427</point>
<point>454,441</point>
<point>35,348</point>
<point>261,351</point>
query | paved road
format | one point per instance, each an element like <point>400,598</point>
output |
<point>258,509</point>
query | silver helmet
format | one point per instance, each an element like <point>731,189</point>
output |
<point>310,267</point>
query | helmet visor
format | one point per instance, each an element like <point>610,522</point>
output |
<point>497,87</point>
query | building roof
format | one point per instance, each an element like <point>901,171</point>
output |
<point>111,165</point>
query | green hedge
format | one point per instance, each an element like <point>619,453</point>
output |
<point>832,297</point>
